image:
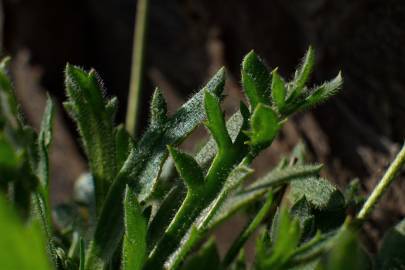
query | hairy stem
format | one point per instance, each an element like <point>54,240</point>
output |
<point>382,186</point>
<point>142,12</point>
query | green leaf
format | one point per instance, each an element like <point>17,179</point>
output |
<point>202,224</point>
<point>124,143</point>
<point>44,141</point>
<point>22,247</point>
<point>256,80</point>
<point>141,171</point>
<point>208,152</point>
<point>303,72</point>
<point>346,253</point>
<point>248,231</point>
<point>82,257</point>
<point>302,211</point>
<point>264,127</point>
<point>165,213</point>
<point>391,253</point>
<point>135,246</point>
<point>216,121</point>
<point>285,175</point>
<point>206,258</point>
<point>187,168</point>
<point>318,192</point>
<point>287,236</point>
<point>158,108</point>
<point>278,90</point>
<point>9,107</point>
<point>89,108</point>
<point>323,92</point>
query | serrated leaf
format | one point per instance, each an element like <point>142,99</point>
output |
<point>264,127</point>
<point>21,247</point>
<point>142,169</point>
<point>206,258</point>
<point>278,90</point>
<point>188,168</point>
<point>216,121</point>
<point>135,246</point>
<point>256,80</point>
<point>391,253</point>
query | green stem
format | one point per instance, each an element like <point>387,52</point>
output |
<point>142,12</point>
<point>382,186</point>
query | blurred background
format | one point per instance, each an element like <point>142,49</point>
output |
<point>356,134</point>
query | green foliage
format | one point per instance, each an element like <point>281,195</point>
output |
<point>22,247</point>
<point>147,204</point>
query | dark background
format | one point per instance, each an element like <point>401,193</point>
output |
<point>355,134</point>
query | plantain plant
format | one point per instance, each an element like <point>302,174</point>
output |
<point>147,204</point>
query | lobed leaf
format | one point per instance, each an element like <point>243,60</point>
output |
<point>216,121</point>
<point>141,171</point>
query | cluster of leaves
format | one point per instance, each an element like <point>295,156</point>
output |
<point>148,205</point>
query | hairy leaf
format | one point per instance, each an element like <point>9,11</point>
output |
<point>93,115</point>
<point>142,168</point>
<point>256,80</point>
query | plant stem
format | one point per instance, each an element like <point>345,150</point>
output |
<point>142,12</point>
<point>382,186</point>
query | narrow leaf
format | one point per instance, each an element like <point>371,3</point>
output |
<point>158,108</point>
<point>304,71</point>
<point>134,247</point>
<point>323,92</point>
<point>278,90</point>
<point>216,121</point>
